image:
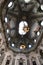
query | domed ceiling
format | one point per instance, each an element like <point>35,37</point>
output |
<point>23,24</point>
<point>21,32</point>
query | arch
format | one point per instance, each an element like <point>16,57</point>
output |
<point>17,58</point>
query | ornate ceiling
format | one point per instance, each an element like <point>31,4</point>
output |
<point>22,27</point>
<point>21,32</point>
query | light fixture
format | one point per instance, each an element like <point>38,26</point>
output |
<point>9,39</point>
<point>42,23</point>
<point>30,46</point>
<point>0,54</point>
<point>11,5</point>
<point>35,40</point>
<point>6,20</point>
<point>38,33</point>
<point>12,45</point>
<point>20,47</point>
<point>7,30</point>
<point>42,7</point>
<point>23,24</point>
<point>26,1</point>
